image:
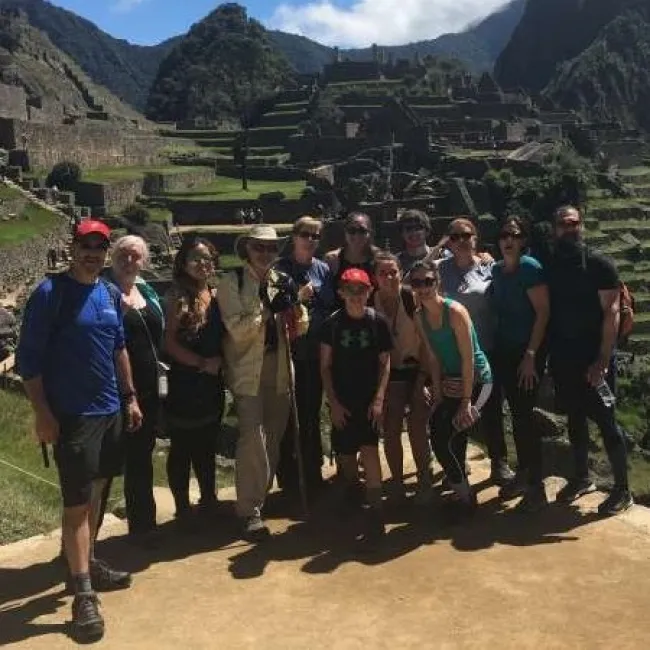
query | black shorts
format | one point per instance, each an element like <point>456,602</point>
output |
<point>358,432</point>
<point>89,448</point>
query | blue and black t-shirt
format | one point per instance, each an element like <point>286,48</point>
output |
<point>70,334</point>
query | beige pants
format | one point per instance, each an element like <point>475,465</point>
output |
<point>262,422</point>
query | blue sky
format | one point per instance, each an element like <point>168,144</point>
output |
<point>347,23</point>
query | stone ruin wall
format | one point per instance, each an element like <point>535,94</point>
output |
<point>92,145</point>
<point>26,263</point>
<point>13,102</point>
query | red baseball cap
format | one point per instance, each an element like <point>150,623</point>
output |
<point>92,227</point>
<point>356,276</point>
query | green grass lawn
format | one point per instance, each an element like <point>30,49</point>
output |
<point>229,189</point>
<point>32,220</point>
<point>108,174</point>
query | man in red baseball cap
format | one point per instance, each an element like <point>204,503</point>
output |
<point>76,372</point>
<point>355,367</point>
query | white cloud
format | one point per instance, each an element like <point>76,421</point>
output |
<point>125,6</point>
<point>387,22</point>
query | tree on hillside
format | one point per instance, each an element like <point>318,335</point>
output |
<point>224,64</point>
<point>65,176</point>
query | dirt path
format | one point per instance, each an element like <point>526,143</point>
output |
<point>562,580</point>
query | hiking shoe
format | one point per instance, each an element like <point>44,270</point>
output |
<point>87,621</point>
<point>534,500</point>
<point>500,473</point>
<point>515,488</point>
<point>424,495</point>
<point>619,500</point>
<point>374,531</point>
<point>395,490</point>
<point>255,530</point>
<point>105,578</point>
<point>575,489</point>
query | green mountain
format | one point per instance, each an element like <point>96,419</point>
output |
<point>611,78</point>
<point>221,67</point>
<point>127,70</point>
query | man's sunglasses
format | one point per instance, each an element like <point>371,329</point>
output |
<point>357,230</point>
<point>421,283</point>
<point>460,236</point>
<point>94,246</point>
<point>510,235</point>
<point>264,248</point>
<point>313,236</point>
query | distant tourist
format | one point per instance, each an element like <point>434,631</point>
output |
<point>584,289</point>
<point>254,302</point>
<point>467,278</point>
<point>76,371</point>
<point>143,326</point>
<point>406,396</point>
<point>355,367</point>
<point>521,305</point>
<point>315,291</point>
<point>195,403</point>
<point>357,251</point>
<point>461,379</point>
<point>414,227</point>
<point>52,258</point>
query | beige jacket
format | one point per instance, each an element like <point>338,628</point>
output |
<point>244,341</point>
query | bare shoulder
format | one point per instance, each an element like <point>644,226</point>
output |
<point>331,258</point>
<point>458,312</point>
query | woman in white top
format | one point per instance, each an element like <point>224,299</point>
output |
<point>406,389</point>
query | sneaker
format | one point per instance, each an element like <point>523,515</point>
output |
<point>619,500</point>
<point>500,473</point>
<point>424,495</point>
<point>87,621</point>
<point>395,490</point>
<point>105,578</point>
<point>534,500</point>
<point>516,488</point>
<point>374,531</point>
<point>457,510</point>
<point>575,489</point>
<point>255,530</point>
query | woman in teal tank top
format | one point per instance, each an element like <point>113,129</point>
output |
<point>460,374</point>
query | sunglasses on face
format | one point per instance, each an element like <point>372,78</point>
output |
<point>265,248</point>
<point>416,227</point>
<point>390,275</point>
<point>94,246</point>
<point>460,236</point>
<point>312,236</point>
<point>510,235</point>
<point>422,283</point>
<point>354,289</point>
<point>357,230</point>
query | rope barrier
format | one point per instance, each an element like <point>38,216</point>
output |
<point>24,471</point>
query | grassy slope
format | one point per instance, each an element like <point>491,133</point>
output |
<point>229,189</point>
<point>32,220</point>
<point>108,174</point>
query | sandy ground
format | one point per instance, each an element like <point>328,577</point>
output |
<point>562,579</point>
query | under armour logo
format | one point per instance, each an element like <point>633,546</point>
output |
<point>359,339</point>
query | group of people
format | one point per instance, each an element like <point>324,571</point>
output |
<point>438,336</point>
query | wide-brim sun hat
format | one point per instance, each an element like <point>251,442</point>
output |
<point>260,232</point>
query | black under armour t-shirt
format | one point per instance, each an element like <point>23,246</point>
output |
<point>356,345</point>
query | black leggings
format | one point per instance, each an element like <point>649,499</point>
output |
<point>448,444</point>
<point>192,449</point>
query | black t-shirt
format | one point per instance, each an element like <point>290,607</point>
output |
<point>144,329</point>
<point>356,345</point>
<point>576,324</point>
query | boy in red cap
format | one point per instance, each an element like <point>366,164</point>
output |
<point>355,367</point>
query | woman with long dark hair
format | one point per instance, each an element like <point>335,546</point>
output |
<point>358,250</point>
<point>460,373</point>
<point>521,305</point>
<point>194,406</point>
<point>315,291</point>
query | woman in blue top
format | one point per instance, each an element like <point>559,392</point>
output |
<point>316,293</point>
<point>460,372</point>
<point>521,305</point>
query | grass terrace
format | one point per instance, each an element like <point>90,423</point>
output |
<point>113,174</point>
<point>30,219</point>
<point>230,189</point>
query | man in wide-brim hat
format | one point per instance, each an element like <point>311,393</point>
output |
<point>253,300</point>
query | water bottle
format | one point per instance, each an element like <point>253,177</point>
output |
<point>605,394</point>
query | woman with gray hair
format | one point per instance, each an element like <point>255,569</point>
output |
<point>143,327</point>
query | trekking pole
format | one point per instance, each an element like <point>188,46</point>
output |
<point>297,446</point>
